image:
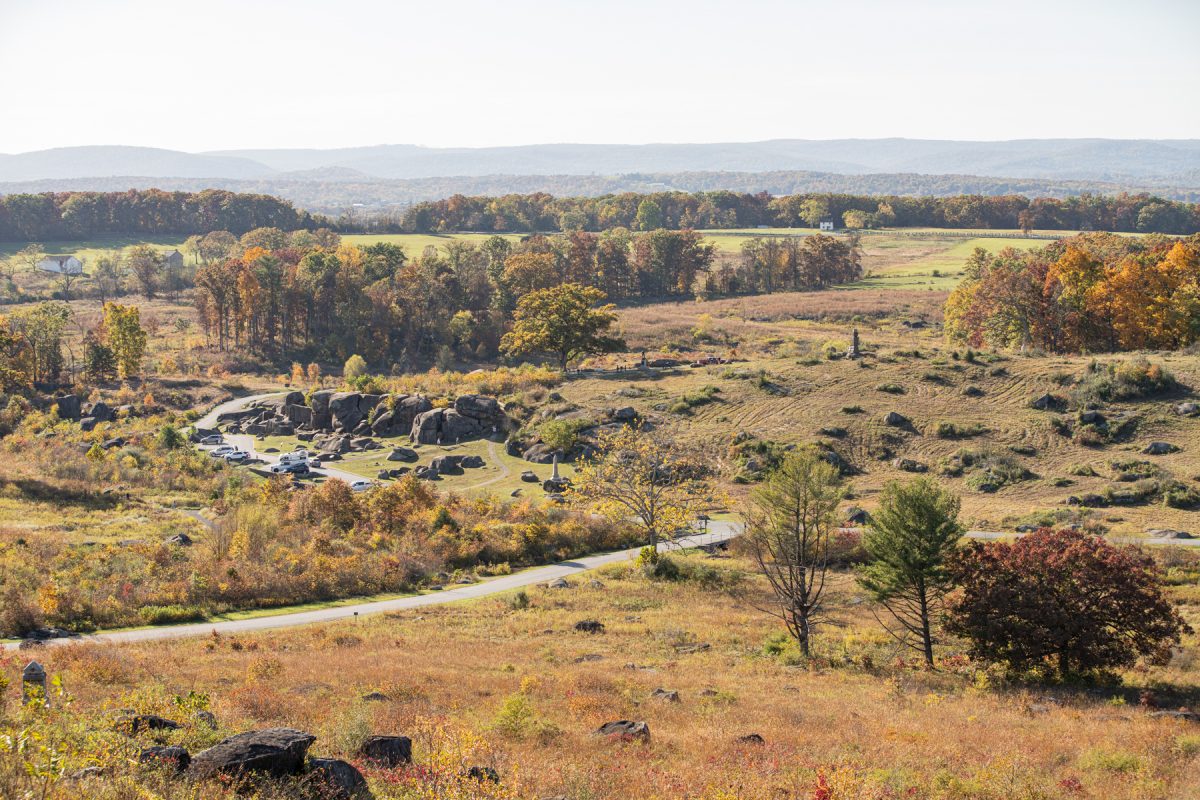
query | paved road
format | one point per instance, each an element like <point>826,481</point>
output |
<point>719,532</point>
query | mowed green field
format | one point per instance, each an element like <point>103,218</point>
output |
<point>90,249</point>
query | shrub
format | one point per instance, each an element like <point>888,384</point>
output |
<point>953,430</point>
<point>853,410</point>
<point>1124,380</point>
<point>170,615</point>
<point>700,397</point>
<point>890,388</point>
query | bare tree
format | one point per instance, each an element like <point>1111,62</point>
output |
<point>789,525</point>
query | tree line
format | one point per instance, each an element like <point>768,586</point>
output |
<point>331,300</point>
<point>1097,292</point>
<point>675,210</point>
<point>65,216</point>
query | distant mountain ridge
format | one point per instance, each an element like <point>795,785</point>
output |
<point>1113,160</point>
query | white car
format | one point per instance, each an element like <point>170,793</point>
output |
<point>361,485</point>
<point>222,451</point>
<point>236,455</point>
<point>215,438</point>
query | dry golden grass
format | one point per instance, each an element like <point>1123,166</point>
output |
<point>521,691</point>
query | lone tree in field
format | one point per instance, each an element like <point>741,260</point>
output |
<point>146,264</point>
<point>910,540</point>
<point>644,478</point>
<point>566,320</point>
<point>1063,599</point>
<point>789,526</point>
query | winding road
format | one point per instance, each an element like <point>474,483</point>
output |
<point>720,531</point>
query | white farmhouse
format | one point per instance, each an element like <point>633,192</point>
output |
<point>61,265</point>
<point>826,224</point>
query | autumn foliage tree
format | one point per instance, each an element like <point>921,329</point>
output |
<point>568,321</point>
<point>1090,292</point>
<point>1062,600</point>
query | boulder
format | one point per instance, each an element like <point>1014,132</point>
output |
<point>589,626</point>
<point>447,465</point>
<point>1168,533</point>
<point>180,539</point>
<point>360,443</point>
<point>319,403</point>
<point>382,424</point>
<point>972,391</point>
<point>427,427</point>
<point>751,738</point>
<point>529,476</point>
<point>68,407</point>
<point>1093,418</point>
<point>389,751</point>
<point>471,462</point>
<point>134,724</point>
<point>625,729</point>
<point>478,407</point>
<point>456,427</point>
<point>101,412</point>
<point>1047,402</point>
<point>87,424</point>
<point>624,414</point>
<point>383,474</point>
<point>909,465</point>
<point>1159,448</point>
<point>334,779</point>
<point>344,411</point>
<point>665,695</point>
<point>540,453</point>
<point>275,752</point>
<point>897,420</point>
<point>402,454</point>
<point>405,409</point>
<point>1188,409</point>
<point>558,583</point>
<point>482,774</point>
<point>207,719</point>
<point>298,414</point>
<point>174,756</point>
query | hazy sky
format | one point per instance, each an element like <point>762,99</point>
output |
<point>210,74</point>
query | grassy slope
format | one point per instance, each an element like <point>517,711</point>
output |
<point>860,720</point>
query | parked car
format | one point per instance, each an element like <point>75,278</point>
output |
<point>215,438</point>
<point>294,468</point>
<point>236,456</point>
<point>222,451</point>
<point>360,485</point>
<point>314,462</point>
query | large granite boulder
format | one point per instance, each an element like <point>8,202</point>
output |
<point>101,412</point>
<point>344,410</point>
<point>68,407</point>
<point>298,414</point>
<point>625,729</point>
<point>478,406</point>
<point>388,751</point>
<point>319,403</point>
<point>402,454</point>
<point>334,779</point>
<point>447,465</point>
<point>275,752</point>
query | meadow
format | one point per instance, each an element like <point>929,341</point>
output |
<point>509,683</point>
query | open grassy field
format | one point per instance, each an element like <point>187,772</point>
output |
<point>509,684</point>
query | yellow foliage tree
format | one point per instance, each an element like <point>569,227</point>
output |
<point>643,478</point>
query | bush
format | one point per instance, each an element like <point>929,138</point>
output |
<point>1124,380</point>
<point>700,397</point>
<point>853,410</point>
<point>953,430</point>
<point>890,388</point>
<point>170,615</point>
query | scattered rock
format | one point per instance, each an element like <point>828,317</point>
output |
<point>180,539</point>
<point>1188,409</point>
<point>133,724</point>
<point>390,751</point>
<point>667,696</point>
<point>471,462</point>
<point>276,752</point>
<point>402,454</point>
<point>625,414</point>
<point>375,697</point>
<point>698,647</point>
<point>87,773</point>
<point>857,516</point>
<point>529,476</point>
<point>558,583</point>
<point>174,756</point>
<point>206,718</point>
<point>595,584</point>
<point>447,465</point>
<point>972,391</point>
<point>897,420</point>
<point>589,657</point>
<point>909,465</point>
<point>334,779</point>
<point>625,729</point>
<point>589,626</point>
<point>1093,418</point>
<point>482,774</point>
<point>1169,533</point>
<point>1047,402</point>
<point>1181,714</point>
<point>751,738</point>
<point>1159,448</point>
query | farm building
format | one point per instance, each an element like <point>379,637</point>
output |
<point>61,265</point>
<point>826,225</point>
<point>173,259</point>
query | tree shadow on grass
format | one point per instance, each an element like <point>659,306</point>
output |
<point>40,491</point>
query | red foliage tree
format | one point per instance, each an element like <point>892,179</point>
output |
<point>1062,598</point>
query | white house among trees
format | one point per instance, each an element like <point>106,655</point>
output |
<point>61,265</point>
